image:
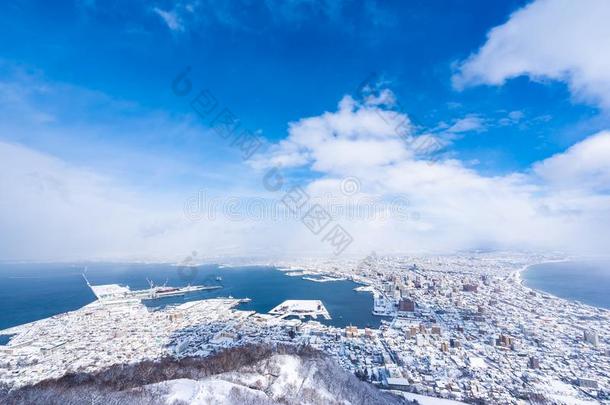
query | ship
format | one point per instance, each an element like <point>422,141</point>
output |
<point>163,291</point>
<point>115,293</point>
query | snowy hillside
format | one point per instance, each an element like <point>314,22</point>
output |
<point>286,379</point>
<point>245,375</point>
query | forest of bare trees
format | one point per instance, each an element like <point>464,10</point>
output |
<point>130,383</point>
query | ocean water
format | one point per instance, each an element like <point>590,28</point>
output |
<point>584,281</point>
<point>30,292</point>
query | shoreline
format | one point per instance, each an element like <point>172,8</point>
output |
<point>518,273</point>
<point>520,281</point>
<point>284,272</point>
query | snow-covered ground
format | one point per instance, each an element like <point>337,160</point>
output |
<point>562,393</point>
<point>423,400</point>
<point>286,379</point>
<point>207,392</point>
<point>282,378</point>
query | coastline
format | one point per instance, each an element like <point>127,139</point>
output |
<point>201,327</point>
<point>519,279</point>
<point>239,282</point>
<point>518,273</point>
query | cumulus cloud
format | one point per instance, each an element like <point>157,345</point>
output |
<point>363,135</point>
<point>560,40</point>
<point>585,165</point>
<point>457,208</point>
<point>53,209</point>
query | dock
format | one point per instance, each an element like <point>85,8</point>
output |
<point>115,293</point>
<point>301,309</point>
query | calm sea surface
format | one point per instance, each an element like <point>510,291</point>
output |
<point>29,292</point>
<point>585,281</point>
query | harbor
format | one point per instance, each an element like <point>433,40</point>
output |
<point>116,293</point>
<point>265,286</point>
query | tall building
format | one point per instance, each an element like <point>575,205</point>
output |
<point>504,340</point>
<point>406,305</point>
<point>470,287</point>
<point>591,337</point>
<point>587,383</point>
<point>351,331</point>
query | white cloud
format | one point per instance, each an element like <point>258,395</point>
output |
<point>171,19</point>
<point>361,135</point>
<point>458,207</point>
<point>53,209</point>
<point>467,124</point>
<point>512,118</point>
<point>92,182</point>
<point>561,40</point>
<point>585,165</point>
<point>195,15</point>
<point>516,115</point>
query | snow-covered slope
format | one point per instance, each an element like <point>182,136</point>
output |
<point>282,378</point>
<point>257,374</point>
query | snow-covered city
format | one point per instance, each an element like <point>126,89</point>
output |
<point>462,328</point>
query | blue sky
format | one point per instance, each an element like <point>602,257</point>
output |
<point>273,64</point>
<point>89,83</point>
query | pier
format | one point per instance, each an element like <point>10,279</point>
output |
<point>301,308</point>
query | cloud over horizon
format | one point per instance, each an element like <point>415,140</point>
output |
<point>66,212</point>
<point>458,208</point>
<point>103,162</point>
